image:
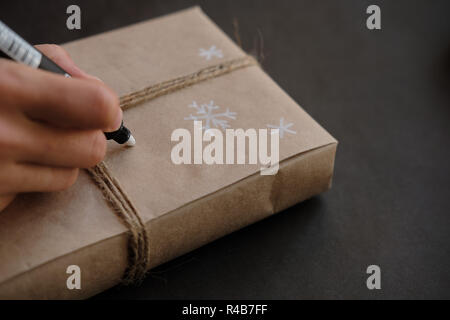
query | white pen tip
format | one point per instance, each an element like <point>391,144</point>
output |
<point>131,142</point>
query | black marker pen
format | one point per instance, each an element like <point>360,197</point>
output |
<point>16,48</point>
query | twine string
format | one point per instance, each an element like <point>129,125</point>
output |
<point>114,194</point>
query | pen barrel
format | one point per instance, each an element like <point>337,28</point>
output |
<point>49,65</point>
<point>16,48</point>
<point>120,136</point>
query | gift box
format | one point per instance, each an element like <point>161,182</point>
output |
<point>143,206</point>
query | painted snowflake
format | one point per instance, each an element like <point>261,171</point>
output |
<point>208,54</point>
<point>207,111</point>
<point>283,127</point>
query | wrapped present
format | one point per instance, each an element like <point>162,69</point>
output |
<point>145,205</point>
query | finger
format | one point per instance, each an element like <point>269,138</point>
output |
<point>62,58</point>
<point>35,178</point>
<point>44,145</point>
<point>5,200</point>
<point>74,103</point>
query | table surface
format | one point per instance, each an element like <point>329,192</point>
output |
<point>383,94</point>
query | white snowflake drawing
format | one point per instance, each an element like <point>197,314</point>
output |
<point>283,127</point>
<point>210,53</point>
<point>206,112</point>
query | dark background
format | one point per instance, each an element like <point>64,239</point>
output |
<point>383,94</point>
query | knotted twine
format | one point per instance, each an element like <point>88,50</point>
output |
<point>114,194</point>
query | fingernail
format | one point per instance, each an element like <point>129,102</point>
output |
<point>78,71</point>
<point>87,75</point>
<point>93,77</point>
<point>90,76</point>
<point>118,121</point>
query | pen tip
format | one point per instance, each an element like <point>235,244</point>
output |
<point>131,142</point>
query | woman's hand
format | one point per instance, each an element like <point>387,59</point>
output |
<point>50,125</point>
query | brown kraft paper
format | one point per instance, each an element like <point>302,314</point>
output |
<point>182,206</point>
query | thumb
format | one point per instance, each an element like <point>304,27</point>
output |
<point>62,58</point>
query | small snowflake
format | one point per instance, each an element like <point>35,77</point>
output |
<point>283,127</point>
<point>210,53</point>
<point>206,112</point>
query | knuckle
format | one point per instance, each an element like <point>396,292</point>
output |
<point>97,149</point>
<point>47,146</point>
<point>10,137</point>
<point>15,82</point>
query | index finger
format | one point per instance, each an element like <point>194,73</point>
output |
<point>63,102</point>
<point>62,58</point>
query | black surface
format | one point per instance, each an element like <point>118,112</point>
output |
<point>383,94</point>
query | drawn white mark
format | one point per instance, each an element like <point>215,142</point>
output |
<point>282,127</point>
<point>208,54</point>
<point>206,112</point>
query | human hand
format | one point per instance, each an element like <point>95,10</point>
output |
<point>51,125</point>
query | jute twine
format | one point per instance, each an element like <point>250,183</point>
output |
<point>116,197</point>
